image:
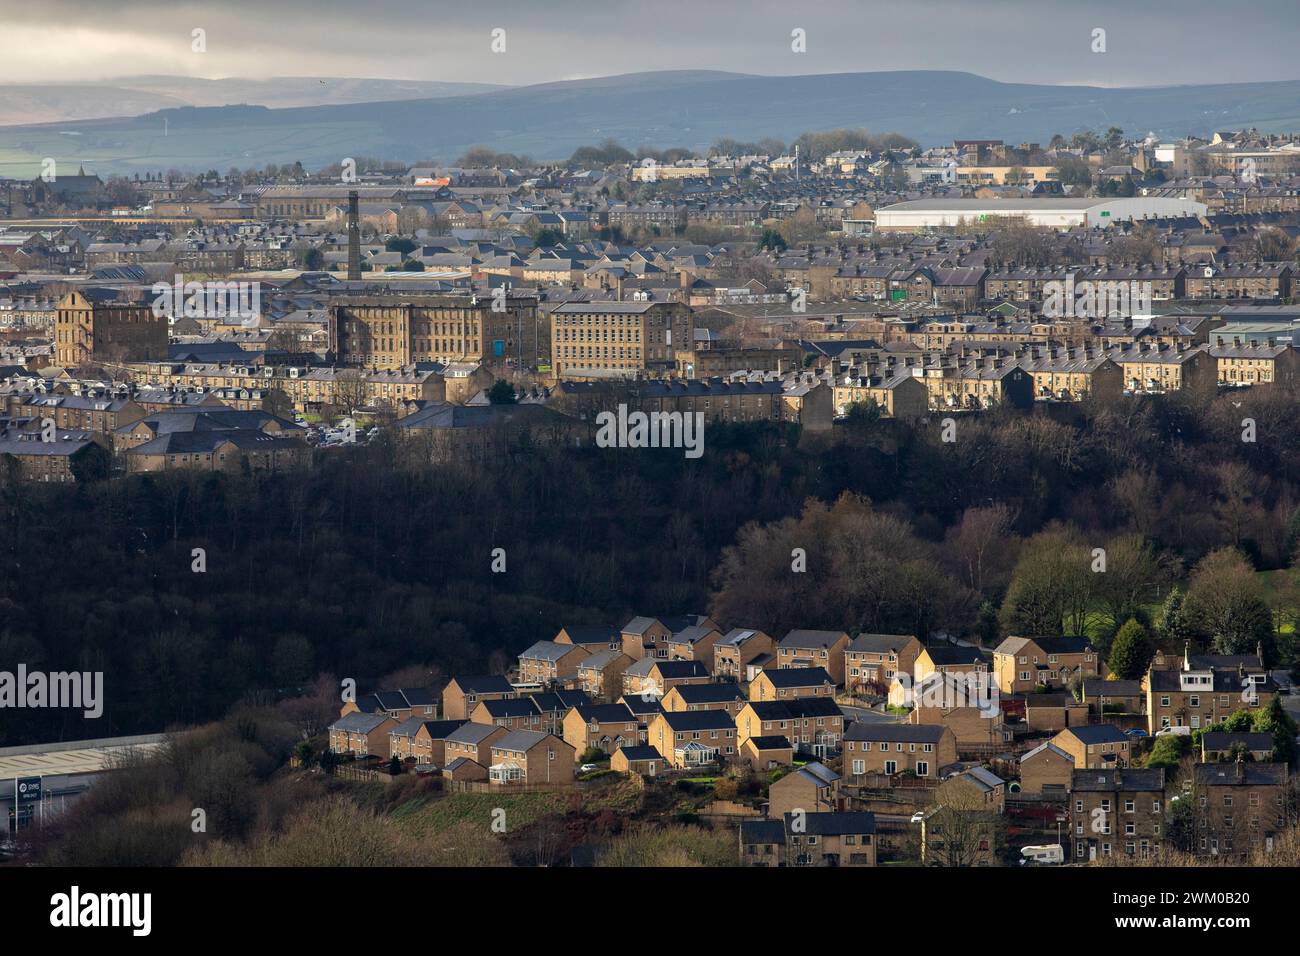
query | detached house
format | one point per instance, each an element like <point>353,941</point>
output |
<point>525,756</point>
<point>472,742</point>
<point>1021,664</point>
<point>880,748</point>
<point>601,674</point>
<point>789,683</point>
<point>812,788</point>
<point>650,677</point>
<point>1094,747</point>
<point>604,727</point>
<point>704,697</point>
<point>463,694</point>
<point>547,663</point>
<point>364,735</point>
<point>812,724</point>
<point>519,713</point>
<point>1046,771</point>
<point>737,648</point>
<point>802,649</point>
<point>694,737</point>
<point>872,660</point>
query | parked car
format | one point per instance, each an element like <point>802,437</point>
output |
<point>1180,731</point>
<point>1135,732</point>
<point>588,768</point>
<point>918,816</point>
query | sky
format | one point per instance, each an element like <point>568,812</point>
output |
<point>1146,42</point>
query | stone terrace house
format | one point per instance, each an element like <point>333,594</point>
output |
<point>1221,746</point>
<point>1116,810</point>
<point>1205,690</point>
<point>1239,807</point>
<point>823,840</point>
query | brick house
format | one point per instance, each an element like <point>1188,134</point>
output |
<point>812,788</point>
<point>737,648</point>
<point>789,683</point>
<point>462,694</point>
<point>1020,664</point>
<point>872,660</point>
<point>1046,771</point>
<point>525,756</point>
<point>921,750</point>
<point>803,649</point>
<point>693,737</point>
<point>1094,747</point>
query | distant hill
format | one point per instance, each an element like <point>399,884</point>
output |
<point>133,95</point>
<point>683,108</point>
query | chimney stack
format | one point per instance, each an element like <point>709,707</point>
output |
<point>354,236</point>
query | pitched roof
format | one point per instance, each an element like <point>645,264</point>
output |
<point>1097,734</point>
<point>699,720</point>
<point>641,753</point>
<point>881,732</point>
<point>522,740</point>
<point>804,638</point>
<point>786,677</point>
<point>835,824</point>
<point>880,643</point>
<point>1127,779</point>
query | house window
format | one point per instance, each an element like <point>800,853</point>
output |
<point>922,768</point>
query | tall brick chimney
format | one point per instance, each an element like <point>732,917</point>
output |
<point>354,237</point>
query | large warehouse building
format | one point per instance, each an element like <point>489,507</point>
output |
<point>921,214</point>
